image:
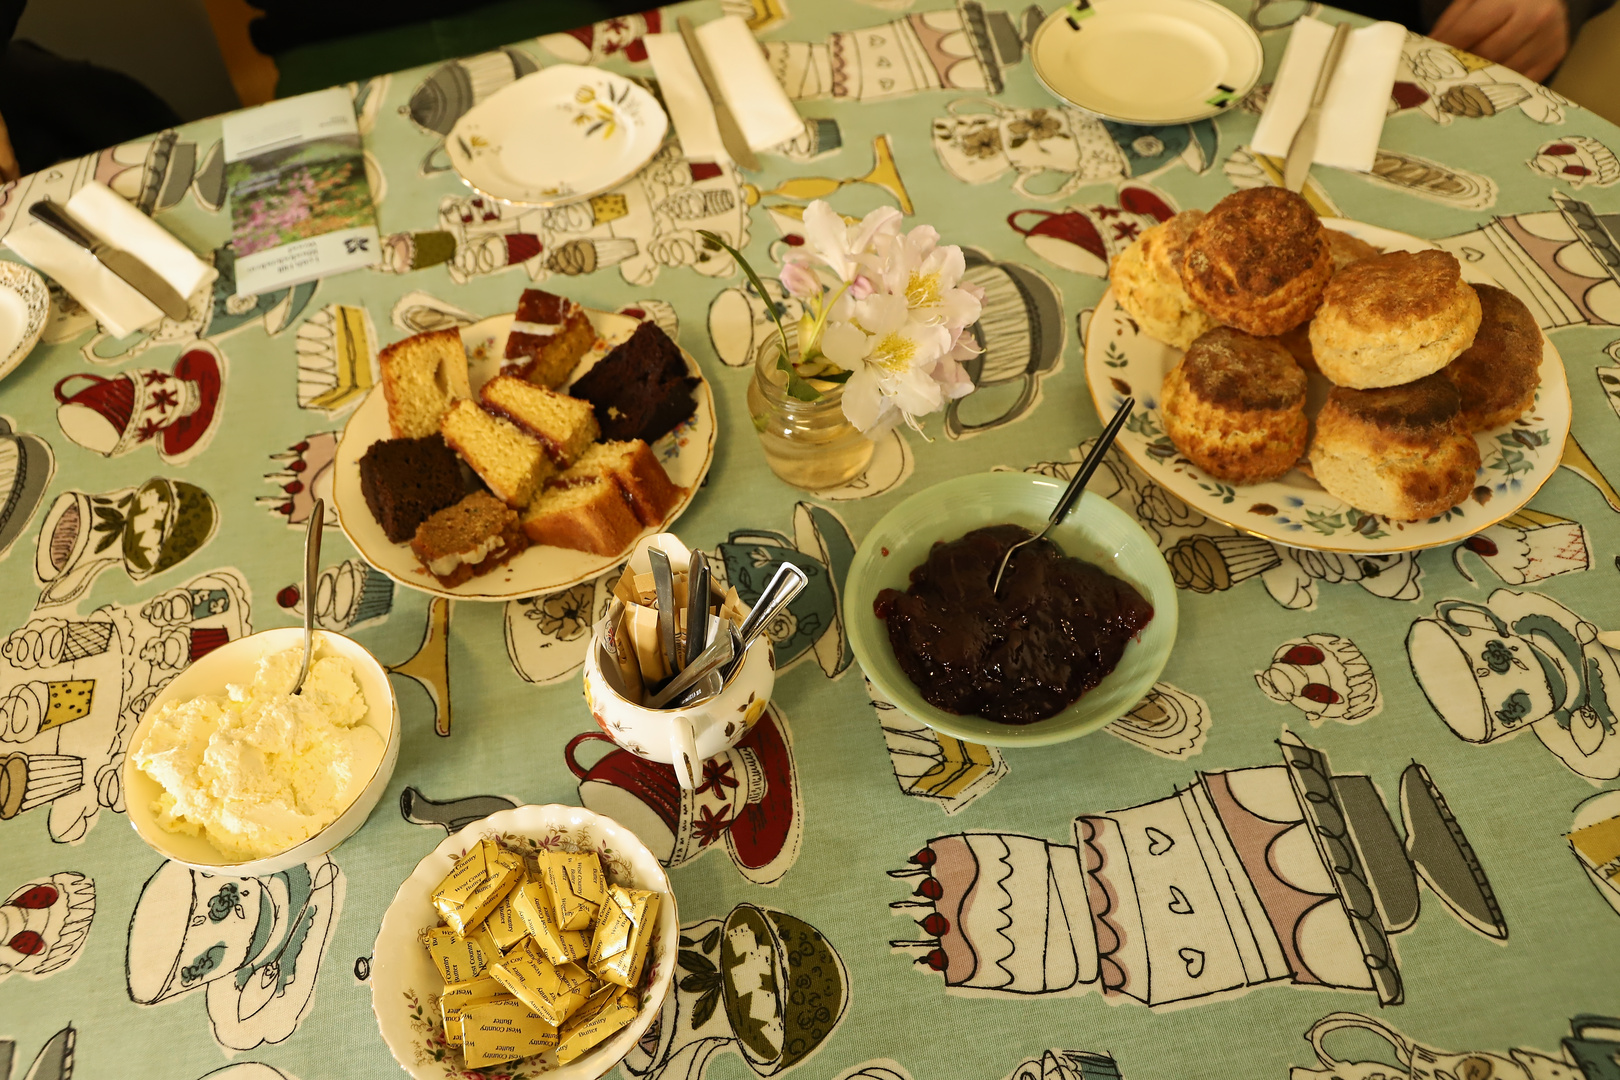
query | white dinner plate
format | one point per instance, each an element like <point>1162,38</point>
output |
<point>560,135</point>
<point>685,453</point>
<point>1516,458</point>
<point>24,304</point>
<point>1147,61</point>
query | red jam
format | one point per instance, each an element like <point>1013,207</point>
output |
<point>1058,627</point>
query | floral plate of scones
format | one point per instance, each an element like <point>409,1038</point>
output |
<point>524,453</point>
<point>1325,383</point>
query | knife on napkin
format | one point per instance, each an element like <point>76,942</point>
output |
<point>142,278</point>
<point>731,135</point>
<point>1302,151</point>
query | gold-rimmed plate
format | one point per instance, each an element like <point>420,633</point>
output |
<point>686,454</point>
<point>1516,458</point>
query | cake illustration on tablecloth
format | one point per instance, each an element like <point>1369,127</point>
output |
<point>335,358</point>
<point>1325,676</point>
<point>1279,873</point>
<point>44,923</point>
<point>931,765</point>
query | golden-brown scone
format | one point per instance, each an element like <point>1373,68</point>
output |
<point>1146,279</point>
<point>1400,451</point>
<point>1346,249</point>
<point>1298,343</point>
<point>1393,318</point>
<point>1258,261</point>
<point>1235,406</point>
<point>1497,375</point>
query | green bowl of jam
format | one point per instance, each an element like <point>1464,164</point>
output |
<point>1095,531</point>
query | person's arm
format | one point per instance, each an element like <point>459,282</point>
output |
<point>1529,36</point>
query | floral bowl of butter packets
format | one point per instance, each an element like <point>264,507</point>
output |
<point>538,941</point>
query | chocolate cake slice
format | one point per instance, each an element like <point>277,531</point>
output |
<point>640,390</point>
<point>405,481</point>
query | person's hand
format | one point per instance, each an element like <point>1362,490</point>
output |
<point>9,169</point>
<point>1529,36</point>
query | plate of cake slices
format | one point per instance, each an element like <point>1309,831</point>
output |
<point>1325,383</point>
<point>524,453</point>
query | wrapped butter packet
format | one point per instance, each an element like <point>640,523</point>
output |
<point>459,958</point>
<point>575,886</point>
<point>598,1020</point>
<point>503,926</point>
<point>457,998</point>
<point>552,990</point>
<point>477,882</point>
<point>619,948</point>
<point>503,1031</point>
<point>648,649</point>
<point>535,915</point>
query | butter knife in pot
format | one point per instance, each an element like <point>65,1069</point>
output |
<point>697,607</point>
<point>140,277</point>
<point>664,585</point>
<point>1302,151</point>
<point>731,135</point>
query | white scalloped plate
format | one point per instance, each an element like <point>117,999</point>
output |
<point>557,136</point>
<point>405,985</point>
<point>1294,510</point>
<point>686,454</point>
<point>25,303</point>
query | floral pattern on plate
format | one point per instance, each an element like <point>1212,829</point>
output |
<point>1516,458</point>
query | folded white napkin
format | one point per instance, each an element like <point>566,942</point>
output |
<point>756,98</point>
<point>114,303</point>
<point>1357,99</point>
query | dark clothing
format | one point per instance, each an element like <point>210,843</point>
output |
<point>56,108</point>
<point>1421,15</point>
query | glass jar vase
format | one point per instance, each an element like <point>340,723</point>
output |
<point>810,444</point>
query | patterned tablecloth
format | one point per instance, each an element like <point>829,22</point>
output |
<point>860,897</point>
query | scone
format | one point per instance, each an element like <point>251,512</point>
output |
<point>1497,375</point>
<point>1393,318</point>
<point>1258,261</point>
<point>1400,452</point>
<point>1298,343</point>
<point>1235,407</point>
<point>1347,249</point>
<point>1146,279</point>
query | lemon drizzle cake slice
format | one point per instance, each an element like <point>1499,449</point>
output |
<point>506,458</point>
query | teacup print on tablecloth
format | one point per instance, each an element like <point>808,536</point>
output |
<point>177,412</point>
<point>1521,660</point>
<point>759,982</point>
<point>747,795</point>
<point>151,529</point>
<point>256,944</point>
<point>453,88</point>
<point>981,140</point>
<point>548,636</point>
<point>348,596</point>
<point>1142,904</point>
<point>1579,161</point>
<point>1085,239</point>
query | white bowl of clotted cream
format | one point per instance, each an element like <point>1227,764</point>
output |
<point>352,796</point>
